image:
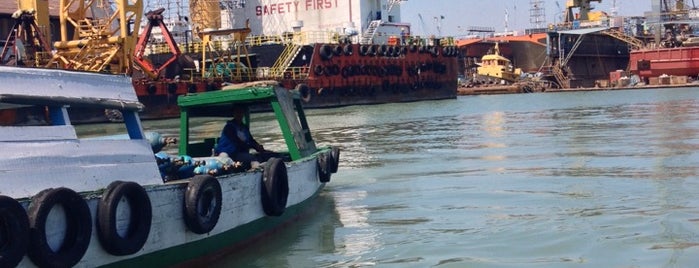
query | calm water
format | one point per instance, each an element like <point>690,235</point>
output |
<point>586,179</point>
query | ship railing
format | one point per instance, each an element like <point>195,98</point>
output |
<point>291,73</point>
<point>299,38</point>
<point>247,74</point>
<point>258,40</point>
<point>447,41</point>
<point>582,24</point>
<point>296,38</point>
<point>192,47</point>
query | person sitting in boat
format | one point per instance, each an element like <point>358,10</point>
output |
<point>236,141</point>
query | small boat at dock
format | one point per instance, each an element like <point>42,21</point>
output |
<point>69,201</point>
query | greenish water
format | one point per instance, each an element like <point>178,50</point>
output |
<point>584,179</point>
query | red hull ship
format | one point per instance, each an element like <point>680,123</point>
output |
<point>336,70</point>
<point>384,64</point>
<point>677,61</point>
<point>336,75</point>
<point>676,52</point>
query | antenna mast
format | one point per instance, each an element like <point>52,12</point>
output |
<point>537,13</point>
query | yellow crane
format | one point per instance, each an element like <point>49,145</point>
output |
<point>104,37</point>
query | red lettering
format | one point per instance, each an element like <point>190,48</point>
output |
<point>293,6</point>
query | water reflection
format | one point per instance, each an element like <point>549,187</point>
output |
<point>603,179</point>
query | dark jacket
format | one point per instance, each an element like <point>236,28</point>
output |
<point>235,138</point>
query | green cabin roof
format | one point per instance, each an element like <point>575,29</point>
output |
<point>284,103</point>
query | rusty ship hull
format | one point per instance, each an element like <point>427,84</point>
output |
<point>594,55</point>
<point>678,61</point>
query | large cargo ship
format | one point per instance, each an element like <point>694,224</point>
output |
<point>338,52</point>
<point>674,49</point>
<point>526,51</point>
<point>580,51</point>
<point>586,47</point>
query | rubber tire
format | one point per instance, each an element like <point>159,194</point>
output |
<point>347,49</point>
<point>275,187</point>
<point>139,224</point>
<point>14,227</point>
<point>324,163</point>
<point>335,155</point>
<point>326,52</point>
<point>202,190</point>
<point>304,92</point>
<point>318,70</point>
<point>78,231</point>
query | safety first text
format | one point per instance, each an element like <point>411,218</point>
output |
<point>294,6</point>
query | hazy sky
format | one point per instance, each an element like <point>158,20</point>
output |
<point>460,14</point>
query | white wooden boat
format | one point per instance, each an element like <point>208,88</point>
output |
<point>67,201</point>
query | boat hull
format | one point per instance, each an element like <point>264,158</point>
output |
<point>242,219</point>
<point>526,52</point>
<point>679,61</point>
<point>409,74</point>
<point>593,58</point>
<point>344,79</point>
<point>87,202</point>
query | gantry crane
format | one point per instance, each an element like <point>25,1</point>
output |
<point>104,37</point>
<point>584,6</point>
<point>155,19</point>
<point>29,37</point>
<point>26,41</point>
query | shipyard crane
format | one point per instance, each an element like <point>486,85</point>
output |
<point>583,5</point>
<point>104,37</point>
<point>26,41</point>
<point>155,19</point>
<point>30,36</point>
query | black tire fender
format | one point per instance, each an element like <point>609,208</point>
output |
<point>78,229</point>
<point>152,89</point>
<point>192,88</point>
<point>319,70</point>
<point>172,88</point>
<point>363,50</point>
<point>139,224</point>
<point>325,162</point>
<point>304,92</point>
<point>202,204</point>
<point>372,50</point>
<point>347,49</point>
<point>275,187</point>
<point>14,227</point>
<point>326,52</point>
<point>337,50</point>
<point>335,155</point>
<point>383,49</point>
